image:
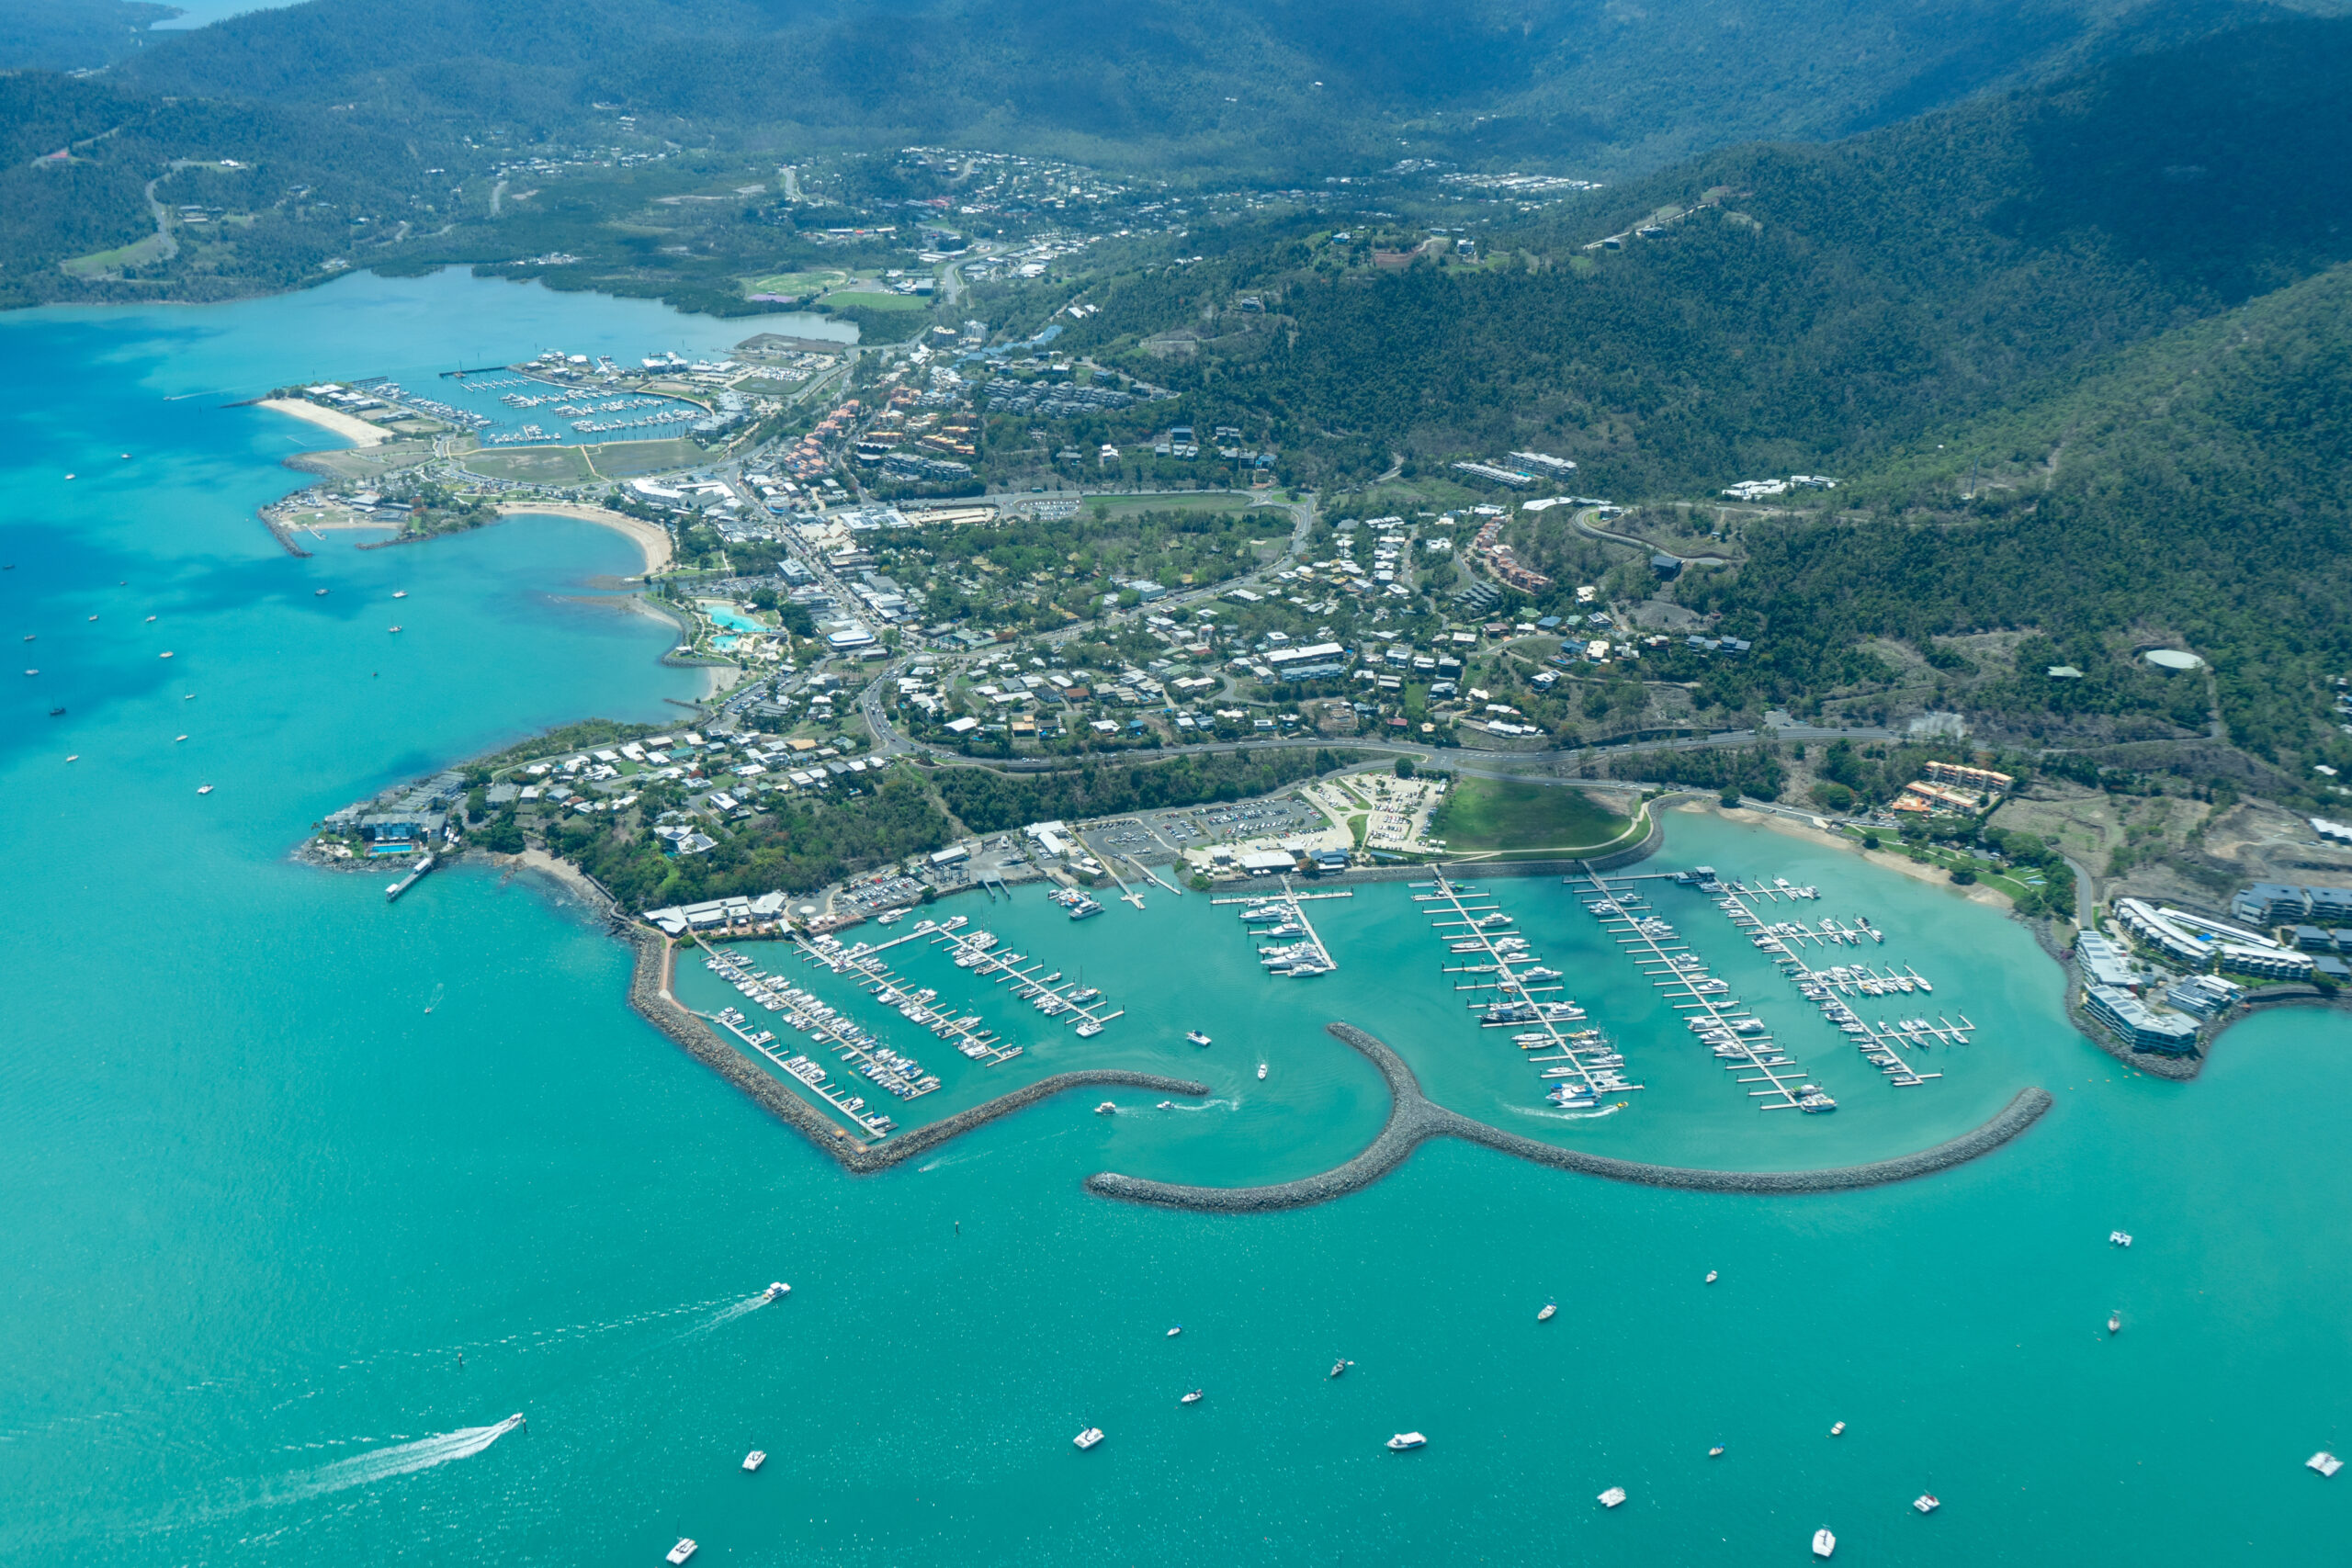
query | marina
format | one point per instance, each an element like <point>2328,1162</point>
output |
<point>1882,1045</point>
<point>1051,993</point>
<point>1738,1040</point>
<point>1283,916</point>
<point>1582,1065</point>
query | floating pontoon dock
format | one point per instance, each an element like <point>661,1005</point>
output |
<point>1578,1055</point>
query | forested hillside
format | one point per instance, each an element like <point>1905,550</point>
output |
<point>1243,88</point>
<point>2200,493</point>
<point>1819,308</point>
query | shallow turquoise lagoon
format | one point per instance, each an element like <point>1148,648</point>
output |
<point>283,1245</point>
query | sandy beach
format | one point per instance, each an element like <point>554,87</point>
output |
<point>1976,893</point>
<point>652,540</point>
<point>358,432</point>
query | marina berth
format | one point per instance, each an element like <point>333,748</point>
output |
<point>1516,993</point>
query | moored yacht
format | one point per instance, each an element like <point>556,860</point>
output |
<point>1088,1437</point>
<point>1823,1543</point>
<point>1404,1440</point>
<point>1544,1316</point>
<point>686,1547</point>
<point>755,1458</point>
<point>1927,1502</point>
<point>1089,1030</point>
<point>1192,1398</point>
<point>1196,1037</point>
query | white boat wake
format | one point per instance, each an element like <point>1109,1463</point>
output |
<point>1207,1105</point>
<point>382,1465</point>
<point>359,1470</point>
<point>1570,1115</point>
<point>725,1315</point>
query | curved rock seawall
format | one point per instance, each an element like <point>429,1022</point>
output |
<point>649,994</point>
<point>1412,1118</point>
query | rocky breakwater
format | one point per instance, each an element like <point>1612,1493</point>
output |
<point>1412,1118</point>
<point>649,994</point>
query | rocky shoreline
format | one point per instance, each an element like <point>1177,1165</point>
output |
<point>1412,1118</point>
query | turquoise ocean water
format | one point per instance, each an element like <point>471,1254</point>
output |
<point>283,1247</point>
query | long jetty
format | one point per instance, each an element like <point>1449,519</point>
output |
<point>1652,942</point>
<point>1318,952</point>
<point>1579,1056</point>
<point>999,966</point>
<point>1880,1046</point>
<point>1413,1120</point>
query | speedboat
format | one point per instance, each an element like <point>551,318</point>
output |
<point>1546,1314</point>
<point>2324,1462</point>
<point>2114,1323</point>
<point>1106,1109</point>
<point>1838,1429</point>
<point>1088,1437</point>
<point>1927,1502</point>
<point>394,629</point>
<point>1192,1398</point>
<point>1175,1331</point>
<point>1823,1543</point>
<point>1196,1037</point>
<point>204,789</point>
<point>320,593</point>
<point>399,592</point>
<point>686,1547</point>
<point>2118,1238</point>
<point>1404,1440</point>
<point>1338,1366</point>
<point>755,1458</point>
<point>1614,1497</point>
<point>776,1288</point>
<point>1716,1452</point>
<point>1261,1072</point>
<point>1711,1276</point>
